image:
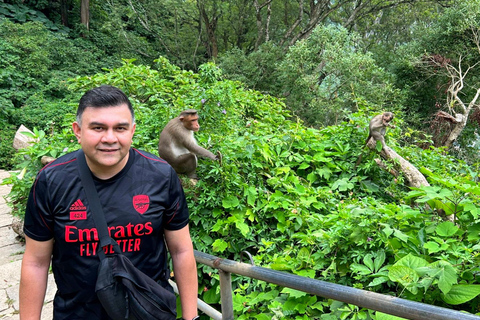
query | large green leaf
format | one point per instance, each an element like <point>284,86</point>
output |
<point>294,293</point>
<point>378,281</point>
<point>412,261</point>
<point>474,232</point>
<point>379,260</point>
<point>461,293</point>
<point>432,247</point>
<point>446,274</point>
<point>405,276</point>
<point>243,227</point>
<point>230,202</point>
<point>211,296</point>
<point>446,229</point>
<point>219,245</point>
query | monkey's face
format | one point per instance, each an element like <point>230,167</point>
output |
<point>388,116</point>
<point>191,123</point>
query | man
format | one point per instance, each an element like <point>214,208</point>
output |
<point>143,203</point>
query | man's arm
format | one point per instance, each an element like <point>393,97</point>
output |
<point>185,269</point>
<point>33,279</point>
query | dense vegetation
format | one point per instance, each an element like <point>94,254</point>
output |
<point>292,197</point>
<point>291,122</point>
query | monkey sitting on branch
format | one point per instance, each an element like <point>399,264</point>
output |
<point>177,144</point>
<point>376,130</point>
<point>378,127</point>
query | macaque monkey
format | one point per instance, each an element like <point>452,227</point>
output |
<point>378,127</point>
<point>178,146</point>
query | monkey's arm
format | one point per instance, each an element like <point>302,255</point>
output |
<point>388,124</point>
<point>199,151</point>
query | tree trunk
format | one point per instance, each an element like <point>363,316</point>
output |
<point>261,30</point>
<point>457,130</point>
<point>64,12</point>
<point>211,27</point>
<point>454,92</point>
<point>85,13</point>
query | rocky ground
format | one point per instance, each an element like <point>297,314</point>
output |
<point>11,253</point>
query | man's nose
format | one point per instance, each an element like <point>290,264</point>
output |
<point>109,136</point>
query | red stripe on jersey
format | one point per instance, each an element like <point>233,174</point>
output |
<point>174,213</point>
<point>159,160</point>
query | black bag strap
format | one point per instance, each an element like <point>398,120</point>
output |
<point>96,208</point>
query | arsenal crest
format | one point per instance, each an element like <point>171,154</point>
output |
<point>141,203</point>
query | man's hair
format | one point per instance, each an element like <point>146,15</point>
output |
<point>102,97</point>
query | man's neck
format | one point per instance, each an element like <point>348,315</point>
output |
<point>105,173</point>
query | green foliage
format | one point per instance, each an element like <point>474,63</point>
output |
<point>34,66</point>
<point>20,13</point>
<point>25,62</point>
<point>7,151</point>
<point>35,60</point>
<point>467,144</point>
<point>451,39</point>
<point>324,77</point>
<point>28,164</point>
<point>257,70</point>
<point>326,74</point>
<point>294,198</point>
<point>417,275</point>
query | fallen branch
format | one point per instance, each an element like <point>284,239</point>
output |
<point>414,177</point>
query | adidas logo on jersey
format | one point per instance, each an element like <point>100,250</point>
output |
<point>78,211</point>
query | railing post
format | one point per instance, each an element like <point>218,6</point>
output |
<point>226,295</point>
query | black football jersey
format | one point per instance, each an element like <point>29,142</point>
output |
<point>139,202</point>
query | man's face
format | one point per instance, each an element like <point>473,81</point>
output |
<point>105,135</point>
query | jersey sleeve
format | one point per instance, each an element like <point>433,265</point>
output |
<point>177,215</point>
<point>38,222</point>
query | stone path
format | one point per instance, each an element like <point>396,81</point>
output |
<point>11,253</point>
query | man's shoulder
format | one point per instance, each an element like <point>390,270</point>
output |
<point>64,160</point>
<point>61,163</point>
<point>145,160</point>
<point>149,157</point>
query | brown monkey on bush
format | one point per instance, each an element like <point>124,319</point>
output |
<point>177,144</point>
<point>378,127</point>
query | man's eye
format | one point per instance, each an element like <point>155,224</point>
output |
<point>97,128</point>
<point>121,129</point>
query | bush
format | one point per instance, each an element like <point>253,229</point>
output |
<point>293,197</point>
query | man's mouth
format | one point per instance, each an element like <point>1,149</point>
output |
<point>108,150</point>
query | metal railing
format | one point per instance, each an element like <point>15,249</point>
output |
<point>387,304</point>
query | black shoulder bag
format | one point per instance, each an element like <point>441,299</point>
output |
<point>124,291</point>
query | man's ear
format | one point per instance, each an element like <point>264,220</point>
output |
<point>76,130</point>
<point>134,126</point>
